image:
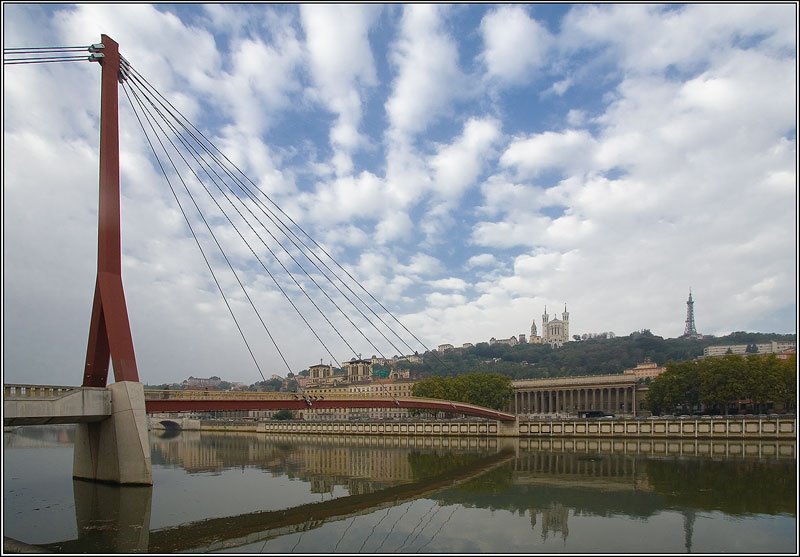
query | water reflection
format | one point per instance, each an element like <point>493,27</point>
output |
<point>112,519</point>
<point>389,494</point>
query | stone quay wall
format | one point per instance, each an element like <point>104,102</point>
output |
<point>783,428</point>
<point>693,428</point>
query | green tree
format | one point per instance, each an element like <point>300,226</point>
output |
<point>283,415</point>
<point>718,383</point>
<point>491,390</point>
<point>678,387</point>
<point>786,390</point>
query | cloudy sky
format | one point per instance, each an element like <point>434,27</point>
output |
<point>469,164</point>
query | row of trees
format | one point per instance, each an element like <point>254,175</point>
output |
<point>721,384</point>
<point>491,390</point>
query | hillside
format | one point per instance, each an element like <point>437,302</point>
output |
<point>586,357</point>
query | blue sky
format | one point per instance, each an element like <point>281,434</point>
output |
<point>470,164</point>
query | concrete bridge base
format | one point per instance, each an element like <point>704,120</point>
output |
<point>117,449</point>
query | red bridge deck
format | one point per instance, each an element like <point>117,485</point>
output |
<point>205,401</point>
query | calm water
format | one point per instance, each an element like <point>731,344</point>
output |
<point>256,493</point>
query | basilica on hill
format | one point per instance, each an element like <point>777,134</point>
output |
<point>555,332</point>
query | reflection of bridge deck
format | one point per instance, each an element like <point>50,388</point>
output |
<point>215,534</point>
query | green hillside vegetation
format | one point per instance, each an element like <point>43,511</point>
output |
<point>586,357</point>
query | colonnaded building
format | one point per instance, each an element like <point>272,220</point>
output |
<point>570,396</point>
<point>618,394</point>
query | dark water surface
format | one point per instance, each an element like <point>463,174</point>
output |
<point>253,493</point>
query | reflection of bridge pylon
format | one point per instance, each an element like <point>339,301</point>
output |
<point>688,528</point>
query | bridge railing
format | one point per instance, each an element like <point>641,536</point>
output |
<point>36,391</point>
<point>201,395</point>
<point>260,395</point>
<point>271,395</point>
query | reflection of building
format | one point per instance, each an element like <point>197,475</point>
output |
<point>554,519</point>
<point>328,463</point>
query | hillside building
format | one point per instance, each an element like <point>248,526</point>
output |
<point>555,332</point>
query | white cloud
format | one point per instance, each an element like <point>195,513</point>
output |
<point>347,198</point>
<point>457,166</point>
<point>482,260</point>
<point>679,172</point>
<point>428,73</point>
<point>650,38</point>
<point>396,225</point>
<point>560,87</point>
<point>576,118</point>
<point>337,39</point>
<point>439,300</point>
<point>262,80</point>
<point>569,150</point>
<point>515,44</point>
<point>451,283</point>
<point>423,264</point>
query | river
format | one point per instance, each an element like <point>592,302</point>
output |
<point>262,493</point>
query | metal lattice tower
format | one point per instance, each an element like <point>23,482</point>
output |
<point>690,331</point>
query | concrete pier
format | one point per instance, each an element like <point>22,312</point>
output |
<point>117,449</point>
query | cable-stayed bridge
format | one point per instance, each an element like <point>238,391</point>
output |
<point>227,214</point>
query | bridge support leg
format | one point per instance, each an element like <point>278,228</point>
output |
<point>116,450</point>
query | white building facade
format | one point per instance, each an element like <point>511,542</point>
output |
<point>555,332</point>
